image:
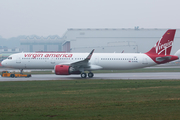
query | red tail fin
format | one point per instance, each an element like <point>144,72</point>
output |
<point>164,45</point>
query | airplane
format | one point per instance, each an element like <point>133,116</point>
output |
<point>78,63</point>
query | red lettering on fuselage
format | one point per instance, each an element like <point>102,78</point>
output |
<point>33,55</point>
<point>58,55</point>
<point>48,55</point>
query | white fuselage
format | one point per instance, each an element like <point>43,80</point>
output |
<point>106,61</point>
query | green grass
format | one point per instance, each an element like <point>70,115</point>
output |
<point>90,99</point>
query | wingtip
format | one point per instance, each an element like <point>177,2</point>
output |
<point>92,51</point>
<point>89,56</point>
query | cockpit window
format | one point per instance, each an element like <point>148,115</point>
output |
<point>9,57</point>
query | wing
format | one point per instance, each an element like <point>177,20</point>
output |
<point>83,62</point>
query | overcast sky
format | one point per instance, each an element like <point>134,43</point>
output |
<point>54,17</point>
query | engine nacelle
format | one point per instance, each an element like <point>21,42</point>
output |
<point>64,70</point>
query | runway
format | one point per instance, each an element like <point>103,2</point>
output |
<point>102,76</point>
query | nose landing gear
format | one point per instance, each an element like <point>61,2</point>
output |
<point>21,71</point>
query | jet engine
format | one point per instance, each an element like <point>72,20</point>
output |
<point>65,70</point>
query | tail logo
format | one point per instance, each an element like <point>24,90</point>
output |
<point>159,47</point>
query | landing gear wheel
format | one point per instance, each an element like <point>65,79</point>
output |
<point>83,75</point>
<point>90,74</point>
<point>12,75</point>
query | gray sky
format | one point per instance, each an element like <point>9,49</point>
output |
<point>54,17</point>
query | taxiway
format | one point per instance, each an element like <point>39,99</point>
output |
<point>103,76</point>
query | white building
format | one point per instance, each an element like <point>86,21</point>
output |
<point>116,40</point>
<point>35,44</point>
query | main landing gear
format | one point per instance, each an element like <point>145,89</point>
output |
<point>84,75</point>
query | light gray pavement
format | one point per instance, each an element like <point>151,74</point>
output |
<point>103,76</point>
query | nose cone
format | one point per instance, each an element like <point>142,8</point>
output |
<point>2,63</point>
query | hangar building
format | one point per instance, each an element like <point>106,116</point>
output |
<point>114,40</point>
<point>35,43</point>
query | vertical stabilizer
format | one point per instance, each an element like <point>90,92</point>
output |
<point>164,45</point>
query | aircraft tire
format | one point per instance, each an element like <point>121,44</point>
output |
<point>12,75</point>
<point>28,75</point>
<point>83,75</point>
<point>90,74</point>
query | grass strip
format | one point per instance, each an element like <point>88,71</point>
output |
<point>90,99</point>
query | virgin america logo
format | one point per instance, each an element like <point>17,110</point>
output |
<point>159,47</point>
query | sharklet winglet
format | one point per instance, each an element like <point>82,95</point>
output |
<point>90,55</point>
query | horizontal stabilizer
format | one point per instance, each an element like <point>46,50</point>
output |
<point>160,59</point>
